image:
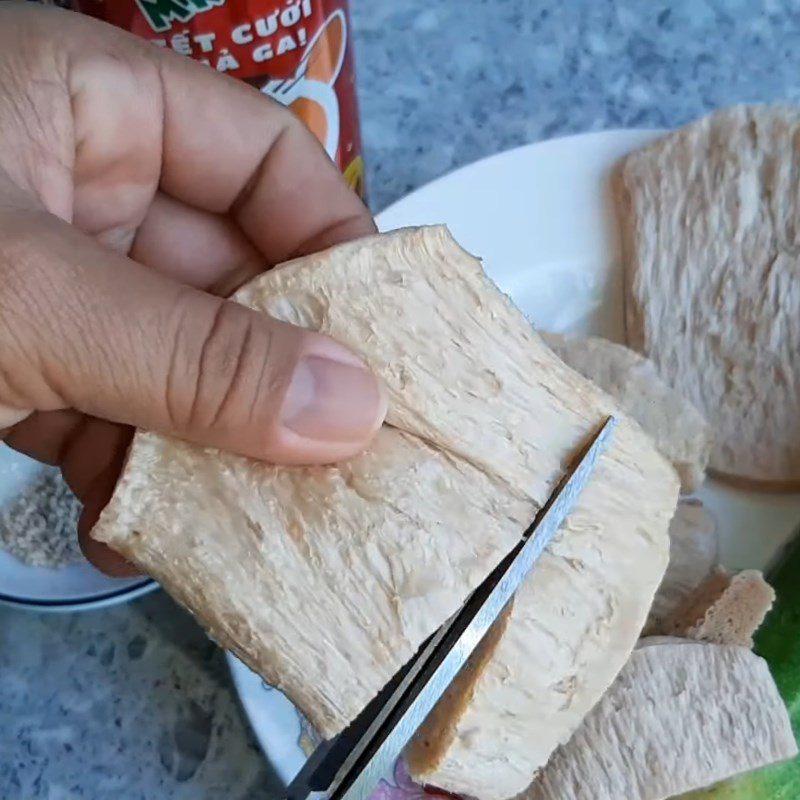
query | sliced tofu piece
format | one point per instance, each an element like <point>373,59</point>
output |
<point>677,427</point>
<point>326,580</point>
<point>693,555</point>
<point>710,219</point>
<point>724,609</point>
<point>680,716</point>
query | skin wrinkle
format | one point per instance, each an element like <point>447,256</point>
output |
<point>44,135</point>
<point>267,359</point>
<point>322,239</point>
<point>245,195</point>
<point>204,369</point>
<point>195,246</point>
<point>241,273</point>
<point>241,360</point>
<point>17,263</point>
<point>199,370</point>
<point>164,122</point>
<point>88,318</point>
<point>170,387</point>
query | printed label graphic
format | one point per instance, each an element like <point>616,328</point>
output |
<point>310,91</point>
<point>160,13</point>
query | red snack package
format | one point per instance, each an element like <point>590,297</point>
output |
<point>296,51</point>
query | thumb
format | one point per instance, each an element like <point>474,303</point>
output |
<point>82,327</point>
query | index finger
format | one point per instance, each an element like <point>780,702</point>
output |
<point>229,149</point>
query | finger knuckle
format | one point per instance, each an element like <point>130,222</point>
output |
<point>223,376</point>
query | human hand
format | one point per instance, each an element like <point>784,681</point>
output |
<point>138,188</point>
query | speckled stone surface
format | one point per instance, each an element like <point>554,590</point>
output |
<point>134,702</point>
<point>446,83</point>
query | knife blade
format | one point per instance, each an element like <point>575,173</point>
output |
<point>351,766</point>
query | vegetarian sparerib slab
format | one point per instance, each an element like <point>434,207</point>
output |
<point>676,426</point>
<point>693,554</point>
<point>680,716</point>
<point>778,643</point>
<point>710,216</point>
<point>325,580</point>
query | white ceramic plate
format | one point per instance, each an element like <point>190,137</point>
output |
<point>542,219</point>
<point>76,587</point>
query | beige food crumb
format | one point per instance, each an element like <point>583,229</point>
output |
<point>39,527</point>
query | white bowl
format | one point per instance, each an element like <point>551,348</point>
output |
<point>76,587</point>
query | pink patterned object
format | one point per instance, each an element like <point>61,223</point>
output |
<point>405,788</point>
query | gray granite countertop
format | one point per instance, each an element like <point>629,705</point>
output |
<point>134,702</point>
